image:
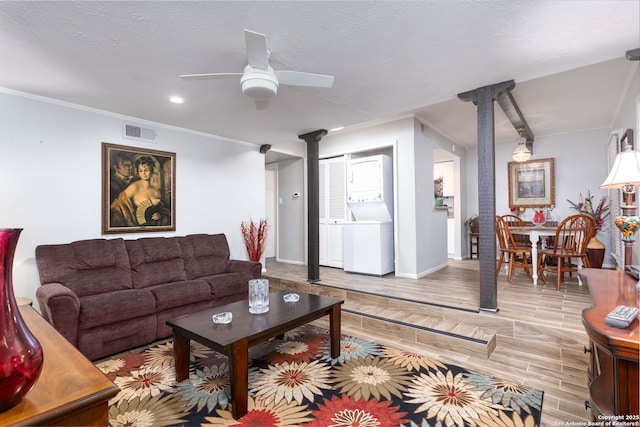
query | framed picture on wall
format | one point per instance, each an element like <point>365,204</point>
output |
<point>138,190</point>
<point>532,184</point>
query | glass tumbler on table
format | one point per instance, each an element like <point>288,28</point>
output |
<point>258,296</point>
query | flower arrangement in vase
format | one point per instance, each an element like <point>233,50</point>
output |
<point>472,224</point>
<point>600,213</point>
<point>255,236</point>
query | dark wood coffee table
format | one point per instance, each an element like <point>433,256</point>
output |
<point>246,330</point>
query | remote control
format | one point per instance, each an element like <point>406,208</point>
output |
<point>633,271</point>
<point>621,316</point>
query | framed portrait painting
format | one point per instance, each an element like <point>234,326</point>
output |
<point>138,190</point>
<point>532,184</point>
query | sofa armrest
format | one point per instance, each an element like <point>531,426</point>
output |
<point>60,306</point>
<point>240,266</point>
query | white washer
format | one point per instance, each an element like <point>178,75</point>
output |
<point>368,247</point>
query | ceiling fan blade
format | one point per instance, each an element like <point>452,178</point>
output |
<point>297,78</point>
<point>257,53</point>
<point>210,76</point>
<point>262,104</point>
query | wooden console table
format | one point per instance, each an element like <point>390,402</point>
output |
<point>71,391</point>
<point>614,353</point>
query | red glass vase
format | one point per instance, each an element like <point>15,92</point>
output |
<point>20,352</point>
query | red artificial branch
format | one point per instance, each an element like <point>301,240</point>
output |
<point>255,236</point>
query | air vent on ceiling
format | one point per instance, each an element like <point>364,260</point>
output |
<point>140,133</point>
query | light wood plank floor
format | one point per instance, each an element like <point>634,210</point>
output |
<point>543,349</point>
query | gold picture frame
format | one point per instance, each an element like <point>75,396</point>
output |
<point>532,183</point>
<point>138,190</point>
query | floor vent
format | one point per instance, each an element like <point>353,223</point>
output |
<point>140,133</point>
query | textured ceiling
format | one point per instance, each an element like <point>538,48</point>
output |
<point>388,58</point>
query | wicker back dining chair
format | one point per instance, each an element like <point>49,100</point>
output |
<point>569,248</point>
<point>517,255</point>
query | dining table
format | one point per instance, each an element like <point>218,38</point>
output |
<point>535,232</point>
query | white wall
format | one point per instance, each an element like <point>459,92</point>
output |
<point>430,224</point>
<point>628,116</point>
<point>292,230</point>
<point>50,170</point>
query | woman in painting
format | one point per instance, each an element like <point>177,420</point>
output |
<point>140,204</point>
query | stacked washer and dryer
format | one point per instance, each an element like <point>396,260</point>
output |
<point>368,239</point>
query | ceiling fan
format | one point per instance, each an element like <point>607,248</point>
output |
<point>259,81</point>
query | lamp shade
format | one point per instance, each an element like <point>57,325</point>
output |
<point>521,153</point>
<point>625,170</point>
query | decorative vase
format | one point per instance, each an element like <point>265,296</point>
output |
<point>539,218</point>
<point>20,352</point>
<point>475,227</point>
<point>595,252</point>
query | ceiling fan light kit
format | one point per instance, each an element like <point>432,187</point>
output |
<point>259,81</point>
<point>258,84</point>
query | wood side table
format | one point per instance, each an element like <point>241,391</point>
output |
<point>70,391</point>
<point>473,245</point>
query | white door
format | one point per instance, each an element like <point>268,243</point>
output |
<point>333,210</point>
<point>271,209</point>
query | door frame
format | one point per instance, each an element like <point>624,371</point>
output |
<point>271,210</point>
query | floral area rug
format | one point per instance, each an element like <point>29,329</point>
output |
<point>293,381</point>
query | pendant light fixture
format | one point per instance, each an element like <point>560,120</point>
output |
<point>521,153</point>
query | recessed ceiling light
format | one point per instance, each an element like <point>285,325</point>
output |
<point>176,99</point>
<point>336,129</point>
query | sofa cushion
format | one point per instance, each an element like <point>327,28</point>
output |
<point>154,261</point>
<point>204,254</point>
<point>112,307</point>
<point>176,294</point>
<point>87,267</point>
<point>227,284</point>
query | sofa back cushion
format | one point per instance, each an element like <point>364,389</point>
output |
<point>155,260</point>
<point>87,267</point>
<point>204,254</point>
